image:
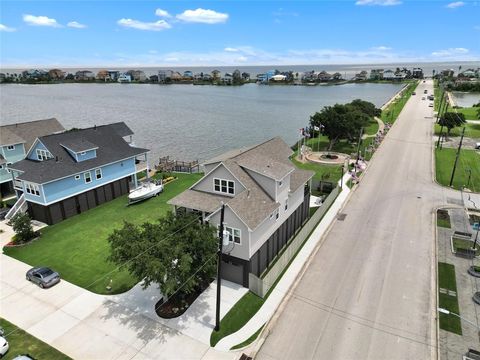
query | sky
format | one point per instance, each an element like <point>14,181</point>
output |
<point>236,32</point>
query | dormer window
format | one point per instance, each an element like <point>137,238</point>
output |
<point>10,147</point>
<point>42,154</point>
<point>224,186</point>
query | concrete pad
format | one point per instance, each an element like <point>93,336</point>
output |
<point>53,326</point>
<point>83,305</point>
<point>6,290</point>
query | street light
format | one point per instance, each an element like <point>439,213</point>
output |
<point>223,240</point>
<point>447,312</point>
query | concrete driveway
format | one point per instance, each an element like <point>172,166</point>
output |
<point>85,325</point>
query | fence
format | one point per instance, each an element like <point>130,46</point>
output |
<point>165,164</point>
<point>261,286</point>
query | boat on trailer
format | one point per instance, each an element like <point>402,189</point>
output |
<point>145,191</point>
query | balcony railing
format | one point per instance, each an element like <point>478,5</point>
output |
<point>17,184</point>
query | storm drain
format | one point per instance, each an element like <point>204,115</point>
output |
<point>341,217</point>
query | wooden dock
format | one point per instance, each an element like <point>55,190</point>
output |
<point>165,164</point>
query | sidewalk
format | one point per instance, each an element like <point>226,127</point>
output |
<point>271,305</point>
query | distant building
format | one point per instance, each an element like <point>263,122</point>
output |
<point>188,75</point>
<point>376,74</point>
<point>137,75</point>
<point>324,76</point>
<point>34,74</point>
<point>447,73</point>
<point>245,76</point>
<point>388,75</point>
<point>84,75</point>
<point>361,76</point>
<point>164,76</point>
<point>216,75</point>
<point>56,74</point>
<point>124,78</point>
<point>114,74</point>
<point>103,75</point>
<point>417,73</point>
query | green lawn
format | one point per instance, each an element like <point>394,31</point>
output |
<point>249,340</point>
<point>372,127</point>
<point>446,280</point>
<point>470,113</point>
<point>468,160</point>
<point>78,249</point>
<point>443,219</point>
<point>21,342</point>
<point>463,244</point>
<point>471,130</point>
<point>390,114</point>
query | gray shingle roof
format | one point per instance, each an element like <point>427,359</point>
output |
<point>2,160</point>
<point>111,147</point>
<point>78,144</point>
<point>27,132</point>
<point>254,205</point>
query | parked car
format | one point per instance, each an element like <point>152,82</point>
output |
<point>23,357</point>
<point>3,346</point>
<point>43,276</point>
<point>423,97</point>
<point>430,105</point>
<point>414,93</point>
<point>425,91</point>
<point>477,146</point>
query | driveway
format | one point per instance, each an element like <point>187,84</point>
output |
<point>85,325</point>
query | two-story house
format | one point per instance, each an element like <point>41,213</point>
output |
<point>266,201</point>
<point>67,173</point>
<point>15,141</point>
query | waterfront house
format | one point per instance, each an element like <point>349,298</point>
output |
<point>15,141</point>
<point>67,173</point>
<point>278,78</point>
<point>216,75</point>
<point>103,75</point>
<point>56,74</point>
<point>417,73</point>
<point>114,74</point>
<point>324,76</point>
<point>34,74</point>
<point>388,75</point>
<point>124,78</point>
<point>227,79</point>
<point>188,75</point>
<point>337,76</point>
<point>176,76</point>
<point>266,201</point>
<point>84,75</point>
<point>2,77</point>
<point>245,76</point>
<point>164,76</point>
<point>376,74</point>
<point>362,76</point>
<point>137,75</point>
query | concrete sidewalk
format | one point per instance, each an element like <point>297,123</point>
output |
<point>271,305</point>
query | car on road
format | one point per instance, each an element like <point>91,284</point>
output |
<point>43,277</point>
<point>476,297</point>
<point>3,346</point>
<point>425,91</point>
<point>477,146</point>
<point>423,97</point>
<point>430,105</point>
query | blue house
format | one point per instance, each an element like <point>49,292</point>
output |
<point>68,173</point>
<point>15,142</point>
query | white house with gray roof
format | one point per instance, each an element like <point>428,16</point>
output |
<point>266,201</point>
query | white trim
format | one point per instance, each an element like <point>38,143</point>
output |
<point>43,154</point>
<point>232,235</point>
<point>17,143</point>
<point>267,176</point>
<point>233,211</point>
<point>220,185</point>
<point>37,140</point>
<point>31,188</point>
<point>77,177</point>
<point>96,175</point>
<point>79,192</point>
<point>206,175</point>
<point>12,146</point>
<point>81,172</point>
<point>78,152</point>
<point>89,177</point>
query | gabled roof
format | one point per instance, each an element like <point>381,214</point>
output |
<point>27,132</point>
<point>78,144</point>
<point>254,205</point>
<point>111,148</point>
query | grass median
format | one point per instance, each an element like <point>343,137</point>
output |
<point>21,343</point>
<point>78,248</point>
<point>447,281</point>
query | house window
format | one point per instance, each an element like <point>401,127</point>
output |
<point>83,153</point>
<point>286,205</point>
<point>42,154</point>
<point>8,170</point>
<point>233,234</point>
<point>276,215</point>
<point>279,183</point>
<point>11,147</point>
<point>88,177</point>
<point>98,174</point>
<point>32,189</point>
<point>77,177</point>
<point>224,186</point>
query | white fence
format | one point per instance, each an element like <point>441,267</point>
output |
<point>261,286</point>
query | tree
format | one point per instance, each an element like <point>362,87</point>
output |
<point>340,122</point>
<point>22,225</point>
<point>366,107</point>
<point>451,120</point>
<point>177,252</point>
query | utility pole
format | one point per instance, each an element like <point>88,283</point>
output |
<point>440,107</point>
<point>219,267</point>
<point>456,157</point>
<point>476,238</point>
<point>441,129</point>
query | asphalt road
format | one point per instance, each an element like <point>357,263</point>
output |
<point>369,291</point>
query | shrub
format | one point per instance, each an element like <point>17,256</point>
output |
<point>22,225</point>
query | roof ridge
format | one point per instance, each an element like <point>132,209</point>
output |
<point>27,122</point>
<point>255,146</point>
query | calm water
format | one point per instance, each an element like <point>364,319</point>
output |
<point>466,99</point>
<point>185,121</point>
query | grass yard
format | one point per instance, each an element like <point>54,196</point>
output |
<point>78,249</point>
<point>471,130</point>
<point>372,127</point>
<point>443,219</point>
<point>470,113</point>
<point>248,341</point>
<point>446,280</point>
<point>468,160</point>
<point>390,114</point>
<point>463,244</point>
<point>21,342</point>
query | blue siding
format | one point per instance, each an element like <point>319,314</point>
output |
<point>67,187</point>
<point>11,156</point>
<point>32,155</point>
<point>72,154</point>
<point>31,197</point>
<point>88,155</point>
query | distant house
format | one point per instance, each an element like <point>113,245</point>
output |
<point>227,79</point>
<point>34,74</point>
<point>216,75</point>
<point>68,173</point>
<point>376,74</point>
<point>176,76</point>
<point>388,75</point>
<point>114,74</point>
<point>84,75</point>
<point>206,77</point>
<point>245,76</point>
<point>188,75</point>
<point>362,76</point>
<point>447,73</point>
<point>417,73</point>
<point>137,75</point>
<point>278,78</point>
<point>103,75</point>
<point>56,74</point>
<point>469,73</point>
<point>324,76</point>
<point>266,201</point>
<point>124,78</point>
<point>164,76</point>
<point>15,141</point>
<point>2,77</point>
<point>337,76</point>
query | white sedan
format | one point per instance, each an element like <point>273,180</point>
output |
<point>3,346</point>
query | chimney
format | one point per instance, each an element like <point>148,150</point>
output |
<point>56,158</point>
<point>95,127</point>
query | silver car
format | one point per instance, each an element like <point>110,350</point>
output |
<point>43,277</point>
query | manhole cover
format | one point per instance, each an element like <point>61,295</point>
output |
<point>341,217</point>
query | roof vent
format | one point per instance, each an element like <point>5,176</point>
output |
<point>95,127</point>
<point>248,193</point>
